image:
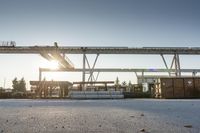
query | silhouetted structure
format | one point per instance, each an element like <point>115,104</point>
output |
<point>50,89</point>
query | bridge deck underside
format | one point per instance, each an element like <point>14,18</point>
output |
<point>101,50</point>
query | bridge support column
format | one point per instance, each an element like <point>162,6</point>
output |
<point>83,74</point>
<point>176,64</point>
<point>91,70</point>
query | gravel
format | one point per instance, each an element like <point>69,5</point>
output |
<point>98,116</point>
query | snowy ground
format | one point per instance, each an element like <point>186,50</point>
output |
<point>98,116</point>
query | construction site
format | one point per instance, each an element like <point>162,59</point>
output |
<point>165,103</point>
<point>174,83</point>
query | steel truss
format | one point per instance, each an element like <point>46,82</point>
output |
<point>58,53</point>
<point>175,64</point>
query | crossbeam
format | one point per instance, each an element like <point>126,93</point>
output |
<point>98,82</point>
<point>117,70</point>
<point>51,82</point>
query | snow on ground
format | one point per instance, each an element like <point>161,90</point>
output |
<point>98,116</point>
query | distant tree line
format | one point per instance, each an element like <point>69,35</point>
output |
<point>19,85</point>
<point>118,85</point>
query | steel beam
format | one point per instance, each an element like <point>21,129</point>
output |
<point>100,50</point>
<point>91,72</point>
<point>165,63</point>
<point>83,70</point>
<point>46,56</point>
<point>118,70</point>
<point>97,76</point>
<point>179,65</point>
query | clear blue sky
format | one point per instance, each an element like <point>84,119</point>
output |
<point>132,23</point>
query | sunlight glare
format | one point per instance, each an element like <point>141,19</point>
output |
<point>51,64</point>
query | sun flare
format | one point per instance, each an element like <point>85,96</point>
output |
<point>51,64</point>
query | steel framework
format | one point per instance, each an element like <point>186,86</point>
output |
<point>58,53</point>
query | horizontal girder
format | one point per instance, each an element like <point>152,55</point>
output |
<point>51,82</point>
<point>118,70</point>
<point>100,50</point>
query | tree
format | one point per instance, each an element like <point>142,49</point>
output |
<point>19,86</point>
<point>124,83</point>
<point>117,84</point>
<point>117,81</point>
<point>129,86</point>
<point>22,85</point>
<point>15,84</point>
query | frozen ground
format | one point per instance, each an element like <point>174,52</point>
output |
<point>98,116</point>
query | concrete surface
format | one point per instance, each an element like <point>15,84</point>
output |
<point>98,116</point>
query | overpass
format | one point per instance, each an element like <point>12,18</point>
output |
<point>100,50</point>
<point>59,53</point>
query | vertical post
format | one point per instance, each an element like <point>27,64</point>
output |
<point>176,73</point>
<point>142,76</point>
<point>179,66</point>
<point>137,77</point>
<point>50,91</point>
<point>83,74</point>
<point>40,74</point>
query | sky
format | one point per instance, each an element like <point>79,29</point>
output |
<point>130,23</point>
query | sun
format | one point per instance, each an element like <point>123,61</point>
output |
<point>53,64</point>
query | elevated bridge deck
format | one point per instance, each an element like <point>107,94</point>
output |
<point>99,50</point>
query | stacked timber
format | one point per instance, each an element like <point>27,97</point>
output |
<point>96,95</point>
